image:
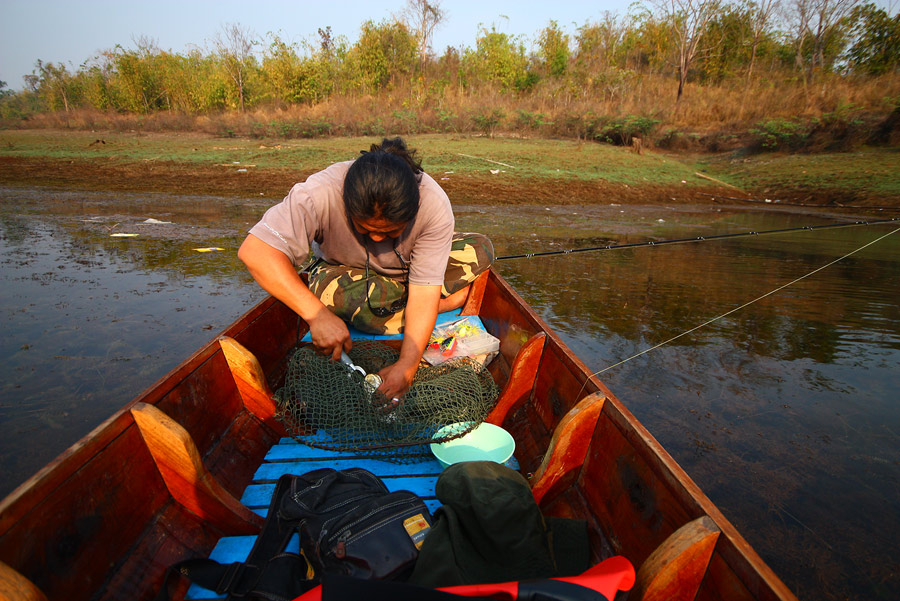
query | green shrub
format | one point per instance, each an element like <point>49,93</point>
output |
<point>487,122</point>
<point>446,120</point>
<point>408,121</point>
<point>620,131</point>
<point>780,134</point>
<point>528,120</point>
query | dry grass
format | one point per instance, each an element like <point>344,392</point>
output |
<point>552,110</point>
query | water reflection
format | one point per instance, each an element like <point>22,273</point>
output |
<point>89,321</point>
<point>784,412</point>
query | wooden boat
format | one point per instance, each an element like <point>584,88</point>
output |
<point>160,480</point>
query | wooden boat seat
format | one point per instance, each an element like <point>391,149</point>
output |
<point>675,570</point>
<point>15,587</point>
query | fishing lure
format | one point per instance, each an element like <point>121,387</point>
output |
<point>444,346</point>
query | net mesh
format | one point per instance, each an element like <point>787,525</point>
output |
<point>326,404</point>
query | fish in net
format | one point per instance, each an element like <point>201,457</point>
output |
<point>327,404</point>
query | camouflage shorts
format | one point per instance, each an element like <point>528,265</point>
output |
<point>343,289</point>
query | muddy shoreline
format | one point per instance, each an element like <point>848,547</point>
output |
<point>182,178</point>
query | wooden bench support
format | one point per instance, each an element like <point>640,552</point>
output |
<point>15,587</point>
<point>188,481</point>
<point>675,570</point>
<point>476,295</point>
<point>522,375</point>
<point>251,383</point>
<point>568,448</point>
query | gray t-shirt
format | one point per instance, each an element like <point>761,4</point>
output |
<point>312,217</point>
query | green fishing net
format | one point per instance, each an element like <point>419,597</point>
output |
<point>327,404</point>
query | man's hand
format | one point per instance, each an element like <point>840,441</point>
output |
<point>329,333</point>
<point>273,270</point>
<point>396,379</point>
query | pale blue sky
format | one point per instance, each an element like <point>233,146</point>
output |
<point>72,31</point>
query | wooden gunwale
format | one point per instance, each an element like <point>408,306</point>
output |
<point>52,526</point>
<point>19,502</point>
<point>233,440</point>
<point>732,549</point>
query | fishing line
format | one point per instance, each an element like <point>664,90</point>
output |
<point>727,313</point>
<point>783,203</point>
<point>697,239</point>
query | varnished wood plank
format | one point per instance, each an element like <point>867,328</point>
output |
<point>472,305</point>
<point>738,574</point>
<point>175,534</point>
<point>269,334</point>
<point>506,316</point>
<point>189,482</point>
<point>568,448</point>
<point>240,450</point>
<point>521,380</point>
<point>251,382</point>
<point>204,402</point>
<point>675,569</point>
<point>621,486</point>
<point>722,584</point>
<point>15,587</point>
<point>66,541</point>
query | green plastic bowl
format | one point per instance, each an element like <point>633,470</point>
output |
<point>486,442</point>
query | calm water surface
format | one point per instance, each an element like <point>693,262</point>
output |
<point>785,412</point>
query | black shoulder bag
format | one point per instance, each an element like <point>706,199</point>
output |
<point>349,524</point>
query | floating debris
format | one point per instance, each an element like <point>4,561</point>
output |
<point>208,249</point>
<point>152,221</point>
<point>123,235</point>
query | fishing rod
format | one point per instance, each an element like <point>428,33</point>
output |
<point>698,238</point>
<point>783,203</point>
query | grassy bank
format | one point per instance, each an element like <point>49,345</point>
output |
<point>470,168</point>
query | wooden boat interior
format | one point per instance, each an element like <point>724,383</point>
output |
<point>162,479</point>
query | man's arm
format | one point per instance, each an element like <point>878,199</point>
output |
<point>421,314</point>
<point>275,273</point>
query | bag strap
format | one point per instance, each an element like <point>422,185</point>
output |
<point>268,573</point>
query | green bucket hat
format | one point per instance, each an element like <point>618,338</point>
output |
<point>490,529</point>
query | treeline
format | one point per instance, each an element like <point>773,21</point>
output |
<point>779,65</point>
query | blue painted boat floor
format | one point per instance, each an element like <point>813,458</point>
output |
<point>292,457</point>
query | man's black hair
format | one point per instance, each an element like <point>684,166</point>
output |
<point>383,182</point>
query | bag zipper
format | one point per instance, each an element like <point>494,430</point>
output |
<point>344,535</point>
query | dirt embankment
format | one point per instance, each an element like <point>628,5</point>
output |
<point>185,178</point>
<point>181,178</point>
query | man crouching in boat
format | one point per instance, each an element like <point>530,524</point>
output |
<point>388,260</point>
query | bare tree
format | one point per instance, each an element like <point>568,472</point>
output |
<point>687,20</point>
<point>827,15</point>
<point>423,17</point>
<point>235,45</point>
<point>798,14</point>
<point>762,13</point>
<point>812,23</point>
<point>145,45</point>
